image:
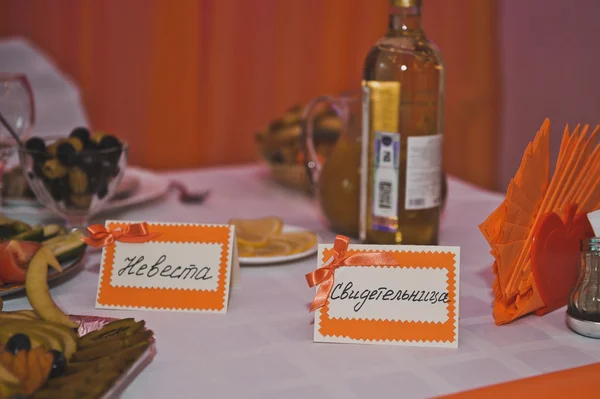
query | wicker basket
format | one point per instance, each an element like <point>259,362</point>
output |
<point>281,145</point>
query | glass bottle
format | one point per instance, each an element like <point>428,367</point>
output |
<point>584,301</point>
<point>403,96</point>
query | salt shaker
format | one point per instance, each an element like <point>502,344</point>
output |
<point>583,313</point>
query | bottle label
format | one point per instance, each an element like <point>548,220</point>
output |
<point>380,157</point>
<point>423,172</point>
<point>386,174</point>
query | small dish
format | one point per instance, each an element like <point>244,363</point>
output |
<point>150,187</point>
<point>67,268</point>
<point>271,260</point>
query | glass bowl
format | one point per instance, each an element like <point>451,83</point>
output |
<point>74,185</point>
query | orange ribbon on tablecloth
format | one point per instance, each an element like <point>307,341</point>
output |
<point>323,276</point>
<point>100,236</point>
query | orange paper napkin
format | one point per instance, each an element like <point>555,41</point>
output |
<point>534,234</point>
<point>579,382</point>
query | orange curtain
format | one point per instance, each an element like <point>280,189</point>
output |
<point>189,82</point>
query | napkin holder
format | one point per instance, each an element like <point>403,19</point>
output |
<point>555,256</point>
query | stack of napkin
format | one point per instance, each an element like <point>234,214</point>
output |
<point>534,234</point>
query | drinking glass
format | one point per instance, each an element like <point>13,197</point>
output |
<point>16,115</point>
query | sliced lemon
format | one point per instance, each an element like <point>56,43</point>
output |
<point>250,239</point>
<point>264,227</point>
<point>275,247</point>
<point>245,251</point>
<point>299,240</point>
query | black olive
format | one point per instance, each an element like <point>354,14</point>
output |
<point>30,175</point>
<point>55,189</point>
<point>18,342</point>
<point>90,146</point>
<point>88,161</point>
<point>65,152</point>
<point>93,183</point>
<point>64,188</point>
<point>113,148</point>
<point>109,141</point>
<point>82,134</point>
<point>59,364</point>
<point>35,144</point>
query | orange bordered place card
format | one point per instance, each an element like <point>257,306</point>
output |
<point>386,294</point>
<point>165,266</point>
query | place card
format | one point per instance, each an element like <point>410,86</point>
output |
<point>386,294</point>
<point>165,266</point>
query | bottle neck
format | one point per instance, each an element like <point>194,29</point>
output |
<point>403,20</point>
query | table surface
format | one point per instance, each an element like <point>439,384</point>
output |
<point>262,347</point>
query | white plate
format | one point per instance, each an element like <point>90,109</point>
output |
<point>270,260</point>
<point>151,186</point>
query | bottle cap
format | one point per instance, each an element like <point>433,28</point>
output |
<point>591,244</point>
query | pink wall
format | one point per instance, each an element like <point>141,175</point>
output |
<point>551,68</point>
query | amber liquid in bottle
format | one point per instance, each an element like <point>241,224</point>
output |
<point>403,93</point>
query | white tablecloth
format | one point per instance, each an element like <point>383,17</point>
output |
<point>262,347</point>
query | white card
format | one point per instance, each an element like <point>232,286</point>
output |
<point>183,267</point>
<point>410,299</point>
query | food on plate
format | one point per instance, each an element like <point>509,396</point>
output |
<point>24,371</point>
<point>264,237</point>
<point>28,367</point>
<point>73,169</point>
<point>38,293</point>
<point>14,258</point>
<point>20,241</point>
<point>43,356</point>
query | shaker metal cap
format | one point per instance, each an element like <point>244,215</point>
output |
<point>405,3</point>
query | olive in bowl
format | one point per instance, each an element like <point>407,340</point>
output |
<point>74,176</point>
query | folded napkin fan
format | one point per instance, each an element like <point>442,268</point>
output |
<point>534,234</point>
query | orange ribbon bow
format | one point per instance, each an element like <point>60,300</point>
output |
<point>100,236</point>
<point>323,277</point>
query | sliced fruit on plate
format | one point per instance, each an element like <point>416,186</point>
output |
<point>36,285</point>
<point>299,240</point>
<point>25,371</point>
<point>9,383</point>
<point>275,247</point>
<point>251,239</point>
<point>14,257</point>
<point>265,227</point>
<point>66,247</point>
<point>49,335</point>
<point>264,237</point>
<point>10,227</point>
<point>245,250</point>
